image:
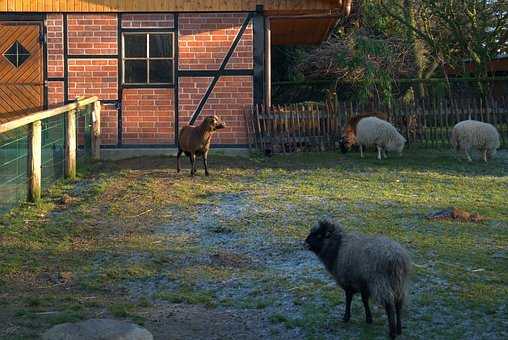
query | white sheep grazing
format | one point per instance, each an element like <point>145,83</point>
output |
<point>474,134</point>
<point>375,131</point>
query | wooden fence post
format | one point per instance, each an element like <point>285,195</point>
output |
<point>34,157</point>
<point>70,145</point>
<point>268,63</point>
<point>96,131</point>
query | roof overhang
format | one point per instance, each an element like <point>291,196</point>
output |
<point>84,6</point>
<point>301,30</point>
<point>306,27</point>
<point>294,22</point>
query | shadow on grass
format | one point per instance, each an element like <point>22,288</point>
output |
<point>415,159</point>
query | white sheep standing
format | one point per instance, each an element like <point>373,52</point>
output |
<point>375,131</point>
<point>474,134</point>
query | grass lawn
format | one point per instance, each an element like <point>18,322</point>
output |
<point>219,256</point>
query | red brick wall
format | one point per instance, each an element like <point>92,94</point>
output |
<point>56,92</point>
<point>55,44</point>
<point>148,116</point>
<point>229,98</point>
<point>92,34</point>
<point>93,77</point>
<point>243,56</point>
<point>152,20</point>
<point>204,39</point>
<point>109,124</point>
<point>191,91</point>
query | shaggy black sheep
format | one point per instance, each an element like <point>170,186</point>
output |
<point>374,266</point>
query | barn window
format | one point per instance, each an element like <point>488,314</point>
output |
<point>148,58</point>
<point>17,54</point>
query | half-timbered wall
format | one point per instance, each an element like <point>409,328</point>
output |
<point>214,73</point>
<point>216,64</point>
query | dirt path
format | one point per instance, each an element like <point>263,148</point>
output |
<point>250,254</point>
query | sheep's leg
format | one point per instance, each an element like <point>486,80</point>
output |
<point>365,300</point>
<point>398,311</point>
<point>379,152</point>
<point>391,319</point>
<point>361,150</point>
<point>205,162</point>
<point>384,153</point>
<point>466,151</point>
<point>193,164</point>
<point>349,299</point>
<point>178,160</point>
<point>485,155</point>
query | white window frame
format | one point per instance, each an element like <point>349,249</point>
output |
<point>148,58</point>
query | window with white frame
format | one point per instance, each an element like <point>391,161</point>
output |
<point>148,58</point>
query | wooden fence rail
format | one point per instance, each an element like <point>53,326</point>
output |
<point>34,123</point>
<point>318,126</point>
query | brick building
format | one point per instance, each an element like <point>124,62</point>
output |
<point>155,65</point>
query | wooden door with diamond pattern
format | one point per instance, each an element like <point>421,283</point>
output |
<point>21,67</point>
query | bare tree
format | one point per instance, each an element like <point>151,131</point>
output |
<point>456,30</point>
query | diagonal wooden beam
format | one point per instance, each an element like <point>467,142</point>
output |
<point>219,72</point>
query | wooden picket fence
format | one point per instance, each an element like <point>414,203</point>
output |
<point>318,126</point>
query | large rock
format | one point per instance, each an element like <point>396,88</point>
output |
<point>95,329</point>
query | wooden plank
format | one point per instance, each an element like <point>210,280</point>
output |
<point>25,119</point>
<point>298,127</point>
<point>295,129</point>
<point>435,126</point>
<point>282,131</point>
<point>70,145</point>
<point>320,135</point>
<point>96,131</point>
<point>267,130</point>
<point>447,113</point>
<point>427,128</point>
<point>256,133</point>
<point>504,121</point>
<point>261,131</point>
<point>34,161</point>
<point>314,126</point>
<point>247,126</point>
<point>274,7</point>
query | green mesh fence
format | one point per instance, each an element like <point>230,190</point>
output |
<point>14,156</point>
<point>84,135</point>
<point>13,168</point>
<point>53,150</point>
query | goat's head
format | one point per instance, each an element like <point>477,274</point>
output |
<point>345,143</point>
<point>214,123</point>
<point>342,145</point>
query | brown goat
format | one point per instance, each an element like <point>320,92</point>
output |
<point>348,138</point>
<point>195,141</point>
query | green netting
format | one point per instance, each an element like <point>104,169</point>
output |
<point>53,150</point>
<point>13,168</point>
<point>84,134</point>
<point>14,156</point>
